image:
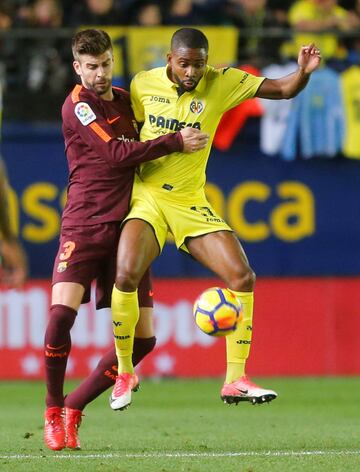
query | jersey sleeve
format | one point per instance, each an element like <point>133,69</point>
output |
<point>136,104</point>
<point>90,125</point>
<point>235,86</point>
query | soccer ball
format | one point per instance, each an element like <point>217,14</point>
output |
<point>217,311</point>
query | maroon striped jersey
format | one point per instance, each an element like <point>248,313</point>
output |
<point>102,150</point>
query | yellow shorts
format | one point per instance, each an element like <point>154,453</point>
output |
<point>166,212</point>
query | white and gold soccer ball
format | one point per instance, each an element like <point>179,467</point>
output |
<point>217,311</point>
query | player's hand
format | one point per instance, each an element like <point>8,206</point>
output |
<point>193,139</point>
<point>14,264</point>
<point>309,58</point>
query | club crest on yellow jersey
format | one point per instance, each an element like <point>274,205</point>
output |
<point>196,106</point>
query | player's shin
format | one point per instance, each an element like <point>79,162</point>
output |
<point>125,315</point>
<point>57,347</point>
<point>238,343</point>
<point>104,375</point>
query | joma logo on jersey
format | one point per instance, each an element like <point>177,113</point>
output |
<point>172,123</point>
<point>196,106</point>
<point>154,98</point>
<point>246,75</point>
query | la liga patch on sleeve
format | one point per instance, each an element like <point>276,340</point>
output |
<point>84,113</point>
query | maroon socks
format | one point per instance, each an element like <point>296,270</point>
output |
<point>57,349</point>
<point>103,376</point>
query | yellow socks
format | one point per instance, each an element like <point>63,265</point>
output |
<point>238,343</point>
<point>125,315</point>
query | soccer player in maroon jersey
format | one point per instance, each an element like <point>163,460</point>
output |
<point>102,149</point>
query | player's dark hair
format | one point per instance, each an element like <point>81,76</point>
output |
<point>189,38</point>
<point>90,41</point>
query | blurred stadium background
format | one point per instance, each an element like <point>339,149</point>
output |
<point>285,176</point>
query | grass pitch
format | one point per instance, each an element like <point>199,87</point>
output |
<point>177,425</point>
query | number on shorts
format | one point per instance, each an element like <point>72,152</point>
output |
<point>205,211</point>
<point>68,246</point>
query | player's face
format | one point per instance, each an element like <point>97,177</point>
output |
<point>187,66</point>
<point>96,71</point>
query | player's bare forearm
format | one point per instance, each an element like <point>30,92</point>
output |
<point>5,228</point>
<point>285,87</point>
<point>289,86</point>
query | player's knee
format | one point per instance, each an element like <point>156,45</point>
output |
<point>62,317</point>
<point>243,280</point>
<point>127,280</point>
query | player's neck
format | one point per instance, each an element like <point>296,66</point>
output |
<point>108,96</point>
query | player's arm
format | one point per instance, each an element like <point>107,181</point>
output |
<point>99,135</point>
<point>12,257</point>
<point>5,228</point>
<point>289,86</point>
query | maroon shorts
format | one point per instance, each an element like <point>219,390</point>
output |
<point>87,254</point>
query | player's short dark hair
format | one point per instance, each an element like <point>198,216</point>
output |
<point>189,38</point>
<point>90,41</point>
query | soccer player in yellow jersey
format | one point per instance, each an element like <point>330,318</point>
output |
<point>168,195</point>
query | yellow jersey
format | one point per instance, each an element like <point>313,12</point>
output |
<point>156,103</point>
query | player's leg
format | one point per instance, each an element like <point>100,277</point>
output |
<point>103,376</point>
<point>78,262</point>
<point>138,247</point>
<point>222,253</point>
<point>65,302</point>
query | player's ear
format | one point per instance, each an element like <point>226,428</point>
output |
<point>76,66</point>
<point>168,57</point>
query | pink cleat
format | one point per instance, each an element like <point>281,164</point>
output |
<point>245,390</point>
<point>125,384</point>
<point>72,425</point>
<point>54,432</point>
